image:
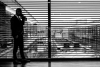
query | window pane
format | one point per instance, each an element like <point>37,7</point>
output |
<point>35,28</point>
<point>75,29</point>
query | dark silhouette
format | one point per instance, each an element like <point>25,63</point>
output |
<point>17,22</point>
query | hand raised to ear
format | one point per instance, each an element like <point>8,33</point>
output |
<point>23,17</point>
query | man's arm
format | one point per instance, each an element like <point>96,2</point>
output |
<point>13,33</point>
<point>12,26</point>
<point>23,19</point>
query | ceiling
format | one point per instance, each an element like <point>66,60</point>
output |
<point>62,11</point>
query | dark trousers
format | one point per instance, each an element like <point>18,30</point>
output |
<point>18,42</point>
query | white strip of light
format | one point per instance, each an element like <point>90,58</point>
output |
<point>31,22</point>
<point>10,10</point>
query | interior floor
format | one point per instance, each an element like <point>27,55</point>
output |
<point>53,64</point>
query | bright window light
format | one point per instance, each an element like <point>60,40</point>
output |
<point>10,10</point>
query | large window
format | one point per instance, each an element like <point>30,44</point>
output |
<point>35,29</point>
<point>74,30</point>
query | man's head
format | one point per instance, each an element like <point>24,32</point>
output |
<point>18,11</point>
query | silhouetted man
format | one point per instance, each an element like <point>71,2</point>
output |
<point>17,22</point>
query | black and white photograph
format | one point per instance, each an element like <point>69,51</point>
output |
<point>49,33</point>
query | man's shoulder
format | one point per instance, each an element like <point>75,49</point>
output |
<point>13,16</point>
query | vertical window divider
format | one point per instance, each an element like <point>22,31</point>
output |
<point>49,28</point>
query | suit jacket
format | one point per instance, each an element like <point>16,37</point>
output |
<point>17,25</point>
